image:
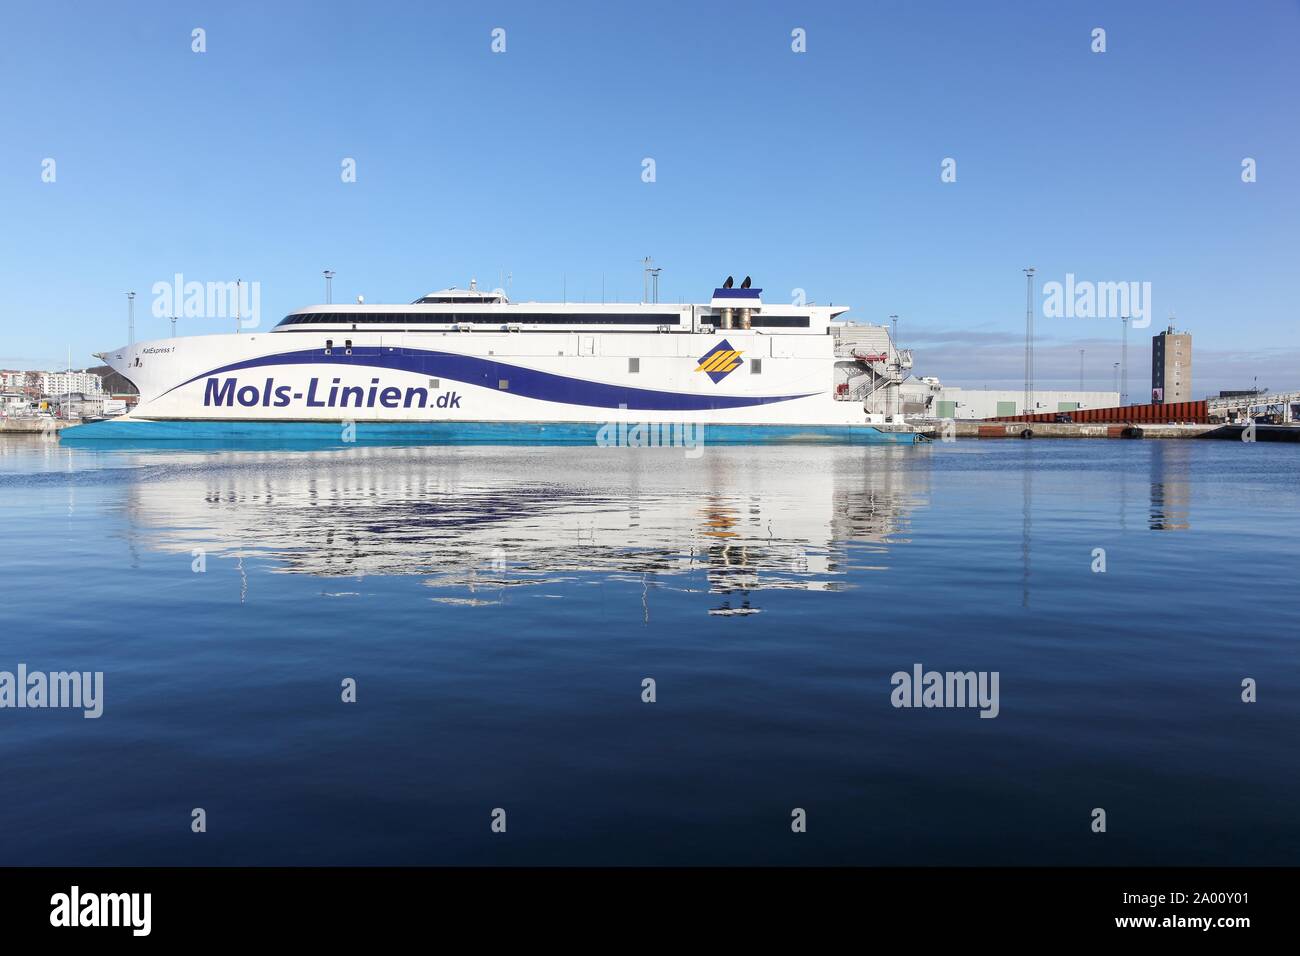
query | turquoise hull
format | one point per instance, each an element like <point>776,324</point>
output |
<point>328,434</point>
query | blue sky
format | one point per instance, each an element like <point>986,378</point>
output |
<point>817,170</point>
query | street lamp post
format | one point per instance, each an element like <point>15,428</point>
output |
<point>130,318</point>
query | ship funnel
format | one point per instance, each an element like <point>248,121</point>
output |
<point>735,307</point>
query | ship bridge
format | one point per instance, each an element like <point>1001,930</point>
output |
<point>471,296</point>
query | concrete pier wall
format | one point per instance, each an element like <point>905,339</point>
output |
<point>1069,430</point>
<point>30,426</point>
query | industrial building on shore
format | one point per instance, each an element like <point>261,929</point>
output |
<point>928,398</point>
<point>1171,384</point>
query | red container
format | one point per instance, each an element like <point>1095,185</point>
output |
<point>1188,412</point>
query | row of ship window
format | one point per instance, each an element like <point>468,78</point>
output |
<point>633,364</point>
<point>517,318</point>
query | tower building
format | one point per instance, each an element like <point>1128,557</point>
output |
<point>1171,367</point>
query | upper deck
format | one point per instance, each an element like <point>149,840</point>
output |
<point>469,310</point>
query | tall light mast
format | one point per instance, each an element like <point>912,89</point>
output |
<point>1123,363</point>
<point>1029,341</point>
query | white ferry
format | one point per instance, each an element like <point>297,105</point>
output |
<point>468,365</point>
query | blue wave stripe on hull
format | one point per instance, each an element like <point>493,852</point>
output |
<point>525,382</point>
<point>329,434</point>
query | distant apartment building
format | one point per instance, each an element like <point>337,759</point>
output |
<point>22,381</point>
<point>62,383</point>
<point>1171,367</point>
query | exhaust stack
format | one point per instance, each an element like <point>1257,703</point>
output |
<point>736,307</point>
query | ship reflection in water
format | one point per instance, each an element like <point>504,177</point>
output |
<point>477,521</point>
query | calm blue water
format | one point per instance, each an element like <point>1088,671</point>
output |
<point>499,609</point>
